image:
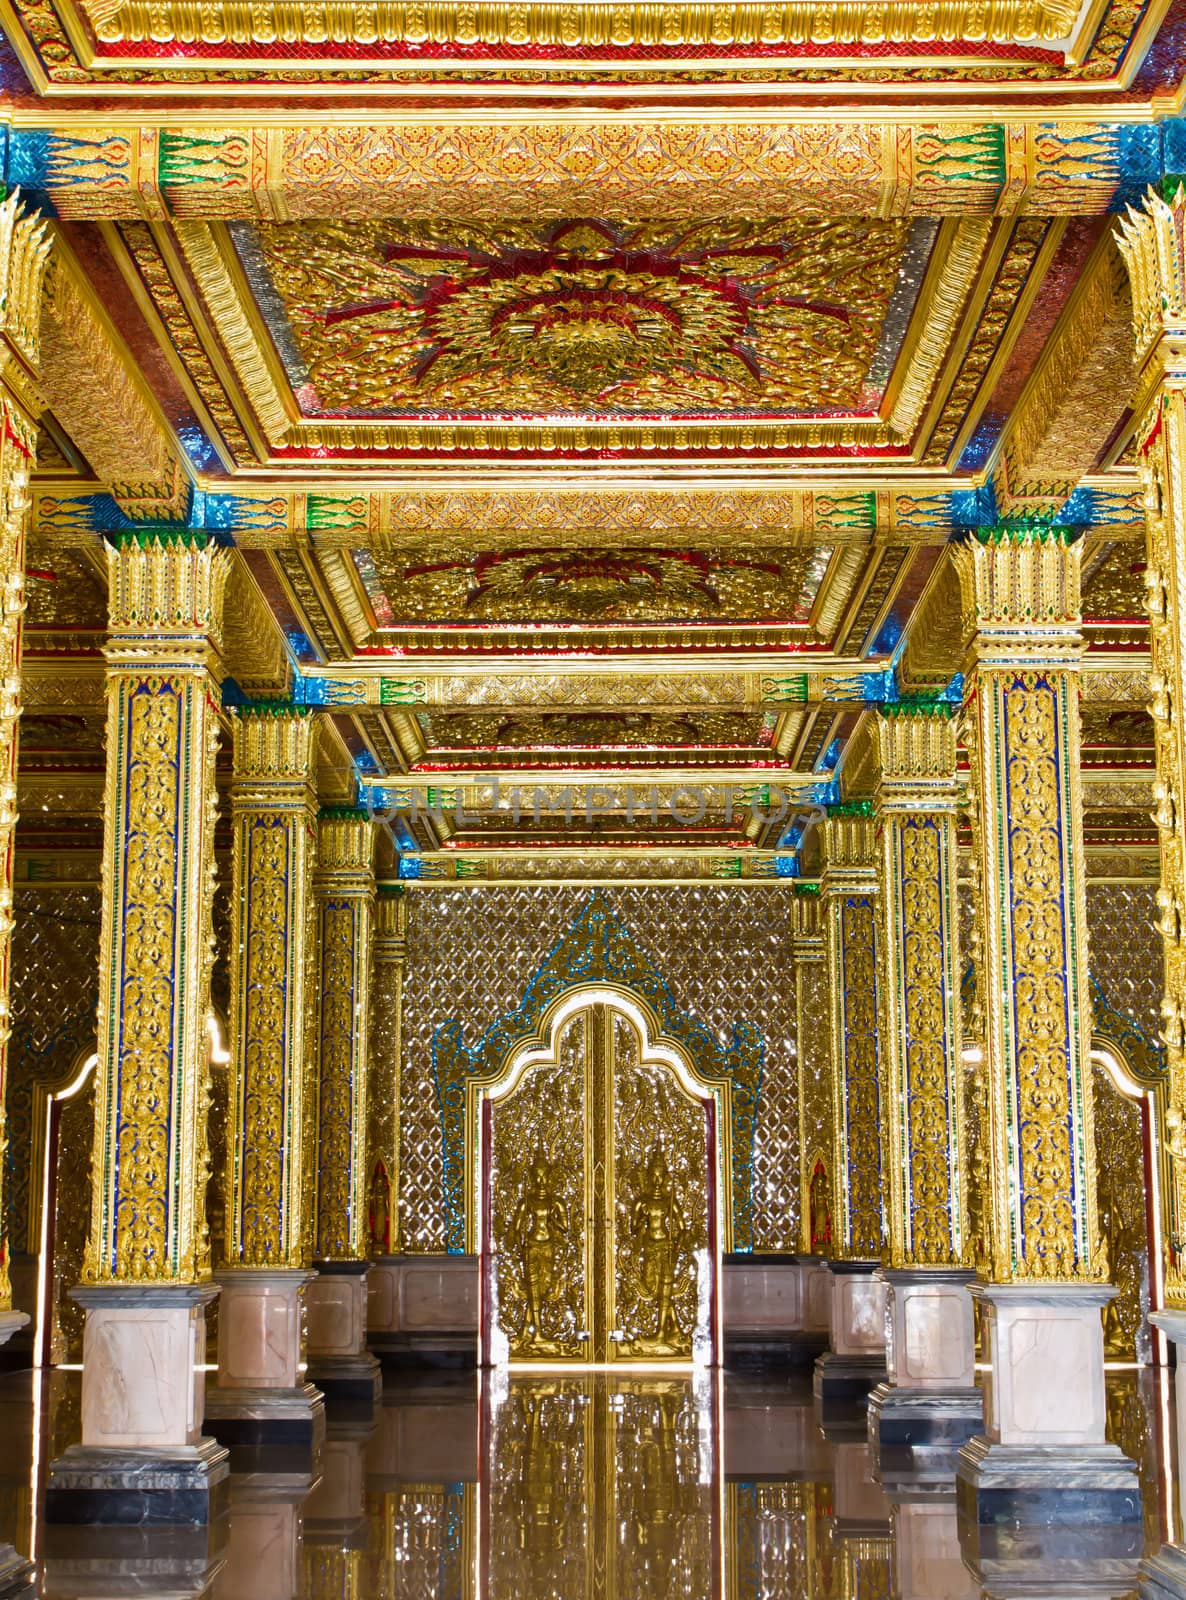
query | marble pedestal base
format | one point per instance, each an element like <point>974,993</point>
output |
<point>930,1404</point>
<point>260,1406</point>
<point>278,1431</point>
<point>856,1361</point>
<point>123,1488</point>
<point>914,1434</point>
<point>1163,1576</point>
<point>340,1364</point>
<point>143,1458</point>
<point>16,1574</point>
<point>1032,1486</point>
<point>1043,1459</point>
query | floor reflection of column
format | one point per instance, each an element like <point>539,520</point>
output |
<point>862,1532</point>
<point>336,1534</point>
<point>264,1551</point>
<point>928,1564</point>
<point>16,1572</point>
<point>1163,1576</point>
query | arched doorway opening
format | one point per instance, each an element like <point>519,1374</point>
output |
<point>597,1189</point>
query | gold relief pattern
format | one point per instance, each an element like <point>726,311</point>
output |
<point>1120,1165</point>
<point>24,251</point>
<point>55,980</point>
<point>537,1183</point>
<point>635,583</point>
<point>920,1043</point>
<point>525,318</point>
<point>151,1159</point>
<point>450,935</point>
<point>1151,241</point>
<point>852,962</point>
<point>386,1070</point>
<point>661,1162</point>
<point>816,1131</point>
<point>272,948</point>
<point>1126,958</point>
<point>75,1141</point>
<point>1077,395</point>
<point>598,730</point>
<point>345,888</point>
<point>104,409</point>
<point>1022,589</point>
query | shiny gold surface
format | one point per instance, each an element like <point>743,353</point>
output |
<point>599,1185</point>
<point>24,247</point>
<point>273,980</point>
<point>922,1083</point>
<point>165,598</point>
<point>1021,600</point>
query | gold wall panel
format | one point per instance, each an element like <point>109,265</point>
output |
<point>600,1195</point>
<point>537,1187</point>
<point>472,954</point>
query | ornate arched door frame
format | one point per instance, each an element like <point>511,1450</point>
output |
<point>541,1048</point>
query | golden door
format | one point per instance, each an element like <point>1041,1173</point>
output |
<point>599,1237</point>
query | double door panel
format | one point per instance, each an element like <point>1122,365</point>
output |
<point>598,1197</point>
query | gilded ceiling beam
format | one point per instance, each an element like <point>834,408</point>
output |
<point>677,167</point>
<point>1077,396</point>
<point>93,387</point>
<point>388,520</point>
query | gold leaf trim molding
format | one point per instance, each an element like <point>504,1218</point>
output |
<point>592,25</point>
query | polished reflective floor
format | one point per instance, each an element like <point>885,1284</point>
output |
<point>542,1487</point>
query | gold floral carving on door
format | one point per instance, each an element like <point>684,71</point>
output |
<point>600,1199</point>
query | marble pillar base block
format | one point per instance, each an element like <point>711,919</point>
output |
<point>279,1430</point>
<point>931,1330</point>
<point>352,1385</point>
<point>1020,1487</point>
<point>143,1366</point>
<point>914,1434</point>
<point>1064,1562</point>
<point>16,1575</point>
<point>11,1322</point>
<point>841,1385</point>
<point>259,1328</point>
<point>1163,1576</point>
<point>138,1487</point>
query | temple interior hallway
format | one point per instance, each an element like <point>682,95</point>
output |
<point>570,1486</point>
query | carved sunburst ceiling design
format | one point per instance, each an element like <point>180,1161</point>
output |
<point>777,318</point>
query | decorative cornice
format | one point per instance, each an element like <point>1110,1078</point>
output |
<point>165,592</point>
<point>1021,594</point>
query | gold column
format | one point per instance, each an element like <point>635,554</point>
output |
<point>1151,241</point>
<point>147,1268</point>
<point>273,1110</point>
<point>848,888</point>
<point>345,891</point>
<point>24,250</point>
<point>148,1213</point>
<point>1041,1312</point>
<point>849,891</point>
<point>923,1098</point>
<point>817,1141</point>
<point>1021,591</point>
<point>387,999</point>
<point>931,1351</point>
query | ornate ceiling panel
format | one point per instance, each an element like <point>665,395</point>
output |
<point>638,584</point>
<point>785,318</point>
